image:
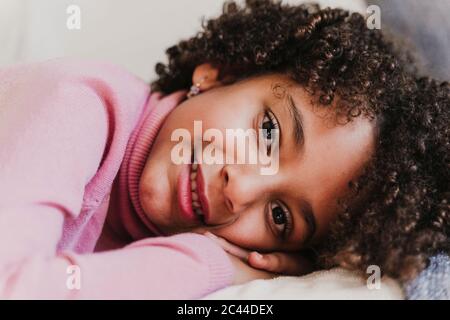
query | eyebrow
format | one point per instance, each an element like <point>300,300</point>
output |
<point>297,122</point>
<point>309,217</point>
<point>306,210</point>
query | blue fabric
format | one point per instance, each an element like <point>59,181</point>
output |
<point>433,283</point>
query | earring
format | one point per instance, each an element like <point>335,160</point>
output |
<point>195,89</point>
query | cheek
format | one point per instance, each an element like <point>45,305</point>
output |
<point>328,181</point>
<point>155,197</point>
<point>249,231</point>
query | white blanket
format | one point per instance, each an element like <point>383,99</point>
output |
<point>331,284</point>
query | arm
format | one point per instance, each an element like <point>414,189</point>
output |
<point>53,130</point>
<point>185,266</point>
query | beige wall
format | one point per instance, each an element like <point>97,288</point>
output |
<point>133,33</point>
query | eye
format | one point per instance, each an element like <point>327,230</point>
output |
<point>280,218</point>
<point>270,128</point>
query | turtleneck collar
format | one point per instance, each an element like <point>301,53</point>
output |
<point>131,213</point>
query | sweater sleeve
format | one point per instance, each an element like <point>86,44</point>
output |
<point>53,132</point>
<point>184,266</point>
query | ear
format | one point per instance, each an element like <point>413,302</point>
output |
<point>207,76</point>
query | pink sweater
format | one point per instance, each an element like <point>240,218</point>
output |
<point>74,139</point>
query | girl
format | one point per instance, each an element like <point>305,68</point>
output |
<point>94,206</point>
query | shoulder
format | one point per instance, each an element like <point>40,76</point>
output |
<point>68,78</point>
<point>76,66</point>
<point>57,72</point>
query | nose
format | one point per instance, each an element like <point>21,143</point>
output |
<point>242,188</point>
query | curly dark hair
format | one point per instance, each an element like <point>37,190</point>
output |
<point>405,218</point>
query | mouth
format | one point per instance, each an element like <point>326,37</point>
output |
<point>191,194</point>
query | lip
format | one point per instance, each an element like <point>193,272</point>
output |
<point>184,194</point>
<point>201,193</point>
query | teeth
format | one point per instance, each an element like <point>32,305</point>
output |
<point>195,203</point>
<point>193,175</point>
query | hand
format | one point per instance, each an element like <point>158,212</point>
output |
<point>239,258</point>
<point>251,265</point>
<point>243,272</point>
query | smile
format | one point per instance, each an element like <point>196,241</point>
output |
<point>191,194</point>
<point>196,205</point>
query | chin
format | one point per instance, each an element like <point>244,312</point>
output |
<point>153,205</point>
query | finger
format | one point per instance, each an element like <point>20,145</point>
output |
<point>233,249</point>
<point>256,260</point>
<point>214,238</point>
<point>264,262</point>
<point>236,251</point>
<point>229,247</point>
<point>285,263</point>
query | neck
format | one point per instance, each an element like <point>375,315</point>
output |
<point>126,218</point>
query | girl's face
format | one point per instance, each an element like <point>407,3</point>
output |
<point>282,212</point>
